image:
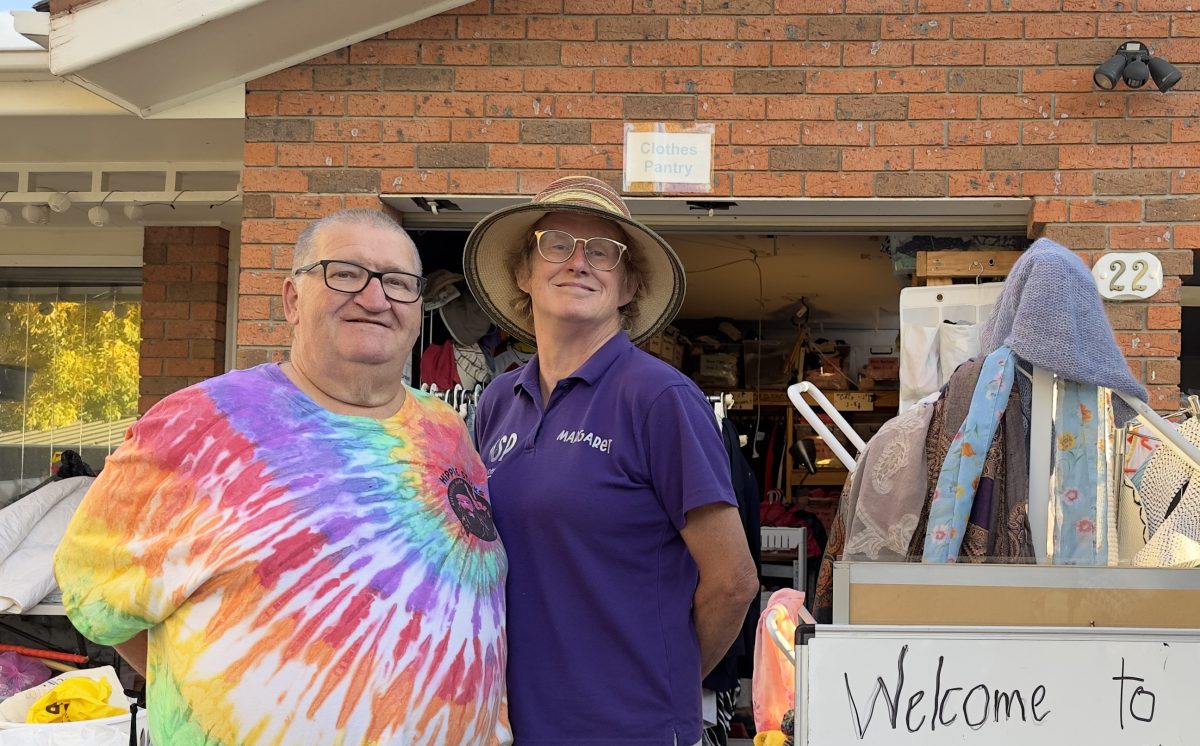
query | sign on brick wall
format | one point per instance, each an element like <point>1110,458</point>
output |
<point>664,157</point>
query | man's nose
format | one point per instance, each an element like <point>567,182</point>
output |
<point>578,259</point>
<point>372,296</point>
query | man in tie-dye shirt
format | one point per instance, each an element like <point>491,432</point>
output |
<point>304,553</point>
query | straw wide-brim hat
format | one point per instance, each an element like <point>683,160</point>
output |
<point>491,280</point>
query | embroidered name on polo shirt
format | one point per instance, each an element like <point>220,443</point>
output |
<point>579,436</point>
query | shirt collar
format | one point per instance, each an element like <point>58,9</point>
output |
<point>590,372</point>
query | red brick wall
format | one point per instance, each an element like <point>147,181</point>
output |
<point>811,98</point>
<point>184,287</point>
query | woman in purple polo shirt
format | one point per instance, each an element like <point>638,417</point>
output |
<point>629,574</point>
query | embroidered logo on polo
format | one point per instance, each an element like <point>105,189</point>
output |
<point>469,504</point>
<point>604,445</point>
<point>501,447</point>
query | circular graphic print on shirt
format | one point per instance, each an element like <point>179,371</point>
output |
<point>471,508</point>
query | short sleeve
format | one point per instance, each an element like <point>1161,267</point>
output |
<point>127,560</point>
<point>688,464</point>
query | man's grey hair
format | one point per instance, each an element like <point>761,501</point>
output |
<point>306,243</point>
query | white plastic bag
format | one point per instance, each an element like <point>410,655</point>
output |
<point>66,734</point>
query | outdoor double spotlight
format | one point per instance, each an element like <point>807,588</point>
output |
<point>1133,64</point>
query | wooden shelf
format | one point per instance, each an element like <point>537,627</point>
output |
<point>822,478</point>
<point>844,401</point>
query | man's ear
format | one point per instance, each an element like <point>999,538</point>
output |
<point>291,301</point>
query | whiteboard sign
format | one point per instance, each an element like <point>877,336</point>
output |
<point>659,157</point>
<point>1128,275</point>
<point>1000,686</point>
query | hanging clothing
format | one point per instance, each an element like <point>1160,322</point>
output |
<point>438,366</point>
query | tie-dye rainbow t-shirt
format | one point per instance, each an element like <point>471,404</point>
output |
<point>305,577</point>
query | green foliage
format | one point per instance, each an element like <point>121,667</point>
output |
<point>83,359</point>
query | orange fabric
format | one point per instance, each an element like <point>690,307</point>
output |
<point>774,683</point>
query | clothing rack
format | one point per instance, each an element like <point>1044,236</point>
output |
<point>463,400</point>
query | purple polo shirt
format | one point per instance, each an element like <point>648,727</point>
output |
<point>589,496</point>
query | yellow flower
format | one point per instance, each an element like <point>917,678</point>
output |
<point>967,450</point>
<point>1085,413</point>
<point>1066,442</point>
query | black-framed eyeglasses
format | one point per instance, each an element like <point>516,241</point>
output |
<point>603,254</point>
<point>348,277</point>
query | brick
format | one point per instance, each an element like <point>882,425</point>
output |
<point>988,27</point>
<point>291,154</point>
<point>455,53</point>
<point>1184,181</point>
<point>420,130</point>
<point>256,206</point>
<point>872,108</point>
<point>590,107</point>
<point>527,53</point>
<point>840,81</point>
<point>1051,131</point>
<point>872,7</point>
<point>1048,211</point>
<point>1060,26</point>
<point>765,133</point>
<point>806,54</point>
<point>560,28</point>
<point>1178,104</point>
<point>1025,158</point>
<point>771,28</point>
<point>735,54</point>
<point>313,104</point>
<point>665,54</point>
<point>613,132</point>
<point>166,311</point>
<point>487,79</point>
<point>990,184</point>
<point>1015,107</point>
<point>557,79</point>
<point>835,133</point>
<point>740,158</point>
<point>596,55</point>
<point>1166,156</point>
<point>554,131</point>
<point>1094,156</point>
<point>302,206</point>
<point>1187,130</point>
<point>336,57</point>
<point>943,107</point>
<point>804,158</point>
<point>457,155</point>
<point>491,27</point>
<point>701,27</point>
<point>910,185</point>
<point>1126,315</point>
<point>1140,236</point>
<point>278,130</point>
<point>433,27</point>
<point>1106,210</point>
<point>1075,80</point>
<point>164,348</point>
<point>1179,263</point>
<point>984,133</point>
<point>258,154</point>
<point>525,7</point>
<point>877,159</point>
<point>324,181</point>
<point>1173,210</point>
<point>1086,52</point>
<point>731,107</point>
<point>984,81</point>
<point>380,104</point>
<point>273,180</point>
<point>298,78</point>
<point>1128,26</point>
<point>918,80</point>
<point>737,7</point>
<point>1023,53</point>
<point>485,130</point>
<point>964,53</point>
<point>813,7</point>
<point>949,159</point>
<point>390,155</point>
<point>952,6</point>
<point>838,185</point>
<point>850,28</point>
<point>148,367</point>
<point>346,130</point>
<point>1078,237</point>
<point>783,184</point>
<point>915,27</point>
<point>1126,182</point>
<point>1162,371</point>
<point>424,180</point>
<point>1090,106</point>
<point>450,105</point>
<point>521,156</point>
<point>877,54</point>
<point>660,107</point>
<point>809,108</point>
<point>478,7</point>
<point>910,133</point>
<point>263,333</point>
<point>698,81</point>
<point>261,104</point>
<point>626,80</point>
<point>346,78</point>
<point>1149,344</point>
<point>786,82</point>
<point>1163,317</point>
<point>631,27</point>
<point>589,157</point>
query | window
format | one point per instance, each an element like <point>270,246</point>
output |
<point>69,370</point>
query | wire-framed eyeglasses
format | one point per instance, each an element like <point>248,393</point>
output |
<point>348,277</point>
<point>603,254</point>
